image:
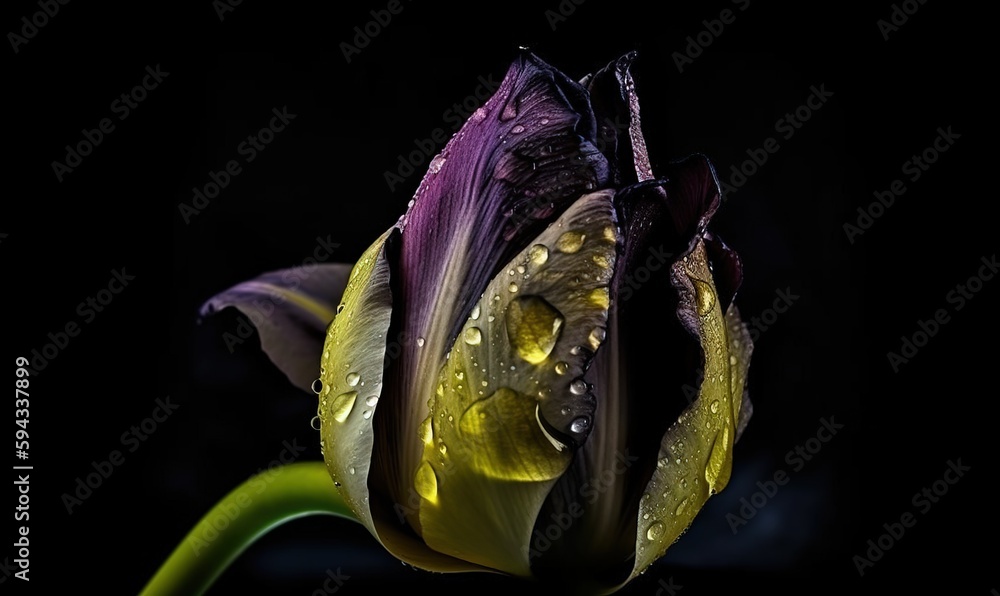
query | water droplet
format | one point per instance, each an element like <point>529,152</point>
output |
<point>343,404</point>
<point>715,469</point>
<point>732,360</point>
<point>600,298</point>
<point>475,312</point>
<point>443,449</point>
<point>353,378</point>
<point>340,308</point>
<point>655,530</point>
<point>578,387</point>
<point>425,482</point>
<point>596,337</point>
<point>491,318</point>
<point>426,432</point>
<point>521,269</point>
<point>420,342</point>
<point>512,287</point>
<point>337,484</point>
<point>714,407</point>
<point>459,375</point>
<point>580,424</point>
<point>351,470</point>
<point>570,242</point>
<point>681,506</point>
<point>517,129</point>
<point>533,327</point>
<point>538,254</point>
<point>473,336</point>
<point>366,414</point>
<point>436,164</point>
<point>575,350</point>
<point>705,296</point>
<point>684,483</point>
<point>601,261</point>
<point>326,355</point>
<point>564,411</point>
<point>317,386</point>
<point>371,401</point>
<point>561,368</point>
<point>315,423</point>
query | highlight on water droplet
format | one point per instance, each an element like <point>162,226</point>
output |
<point>714,406</point>
<point>371,401</point>
<point>538,254</point>
<point>340,308</point>
<point>561,368</point>
<point>512,287</point>
<point>353,378</point>
<point>570,242</point>
<point>705,296</point>
<point>475,312</point>
<point>655,530</point>
<point>425,482</point>
<point>473,336</point>
<point>366,414</point>
<point>317,386</point>
<point>343,404</point>
<point>578,387</point>
<point>596,336</point>
<point>580,424</point>
<point>420,342</point>
<point>533,327</point>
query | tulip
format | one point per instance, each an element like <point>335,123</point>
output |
<point>501,375</point>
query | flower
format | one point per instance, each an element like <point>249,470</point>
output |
<point>501,382</point>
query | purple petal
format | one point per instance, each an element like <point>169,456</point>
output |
<point>517,164</point>
<point>291,309</point>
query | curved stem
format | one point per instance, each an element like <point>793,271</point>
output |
<point>260,504</point>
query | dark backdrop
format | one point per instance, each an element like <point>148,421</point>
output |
<point>324,178</point>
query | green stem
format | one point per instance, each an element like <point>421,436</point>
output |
<point>260,504</point>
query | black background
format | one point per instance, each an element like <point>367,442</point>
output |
<point>324,177</point>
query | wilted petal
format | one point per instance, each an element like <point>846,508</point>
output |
<point>351,372</point>
<point>291,309</point>
<point>512,168</point>
<point>511,401</point>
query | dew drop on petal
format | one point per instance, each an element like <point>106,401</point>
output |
<point>353,378</point>
<point>315,423</point>
<point>371,401</point>
<point>578,387</point>
<point>343,404</point>
<point>317,386</point>
<point>561,368</point>
<point>533,327</point>
<point>475,312</point>
<point>570,242</point>
<point>473,336</point>
<point>705,297</point>
<point>420,342</point>
<point>538,254</point>
<point>580,425</point>
<point>654,531</point>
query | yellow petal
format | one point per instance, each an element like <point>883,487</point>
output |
<point>511,397</point>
